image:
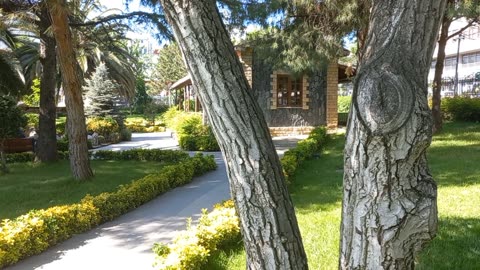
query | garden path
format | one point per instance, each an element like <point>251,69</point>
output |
<point>126,242</point>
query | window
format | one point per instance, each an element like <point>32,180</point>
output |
<point>450,62</point>
<point>289,91</point>
<point>471,58</point>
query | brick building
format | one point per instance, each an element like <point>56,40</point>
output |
<point>290,104</point>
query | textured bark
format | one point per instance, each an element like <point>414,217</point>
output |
<point>269,226</point>
<point>389,202</point>
<point>76,129</point>
<point>46,150</point>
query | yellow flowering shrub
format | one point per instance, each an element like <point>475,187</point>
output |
<point>34,232</point>
<point>192,248</point>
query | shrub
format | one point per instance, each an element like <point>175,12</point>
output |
<point>461,109</point>
<point>305,149</point>
<point>142,155</point>
<point>62,145</point>
<point>105,126</point>
<point>60,127</point>
<point>344,103</point>
<point>36,231</point>
<point>191,249</point>
<point>125,135</point>
<point>32,120</point>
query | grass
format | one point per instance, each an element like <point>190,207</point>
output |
<point>454,159</point>
<point>35,186</point>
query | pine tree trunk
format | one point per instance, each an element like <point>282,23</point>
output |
<point>437,79</point>
<point>47,139</point>
<point>3,160</point>
<point>389,202</point>
<point>72,85</point>
<point>269,226</point>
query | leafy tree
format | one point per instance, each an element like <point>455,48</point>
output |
<point>11,120</point>
<point>142,99</point>
<point>100,96</point>
<point>170,67</point>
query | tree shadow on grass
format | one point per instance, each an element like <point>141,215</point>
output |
<point>456,246</point>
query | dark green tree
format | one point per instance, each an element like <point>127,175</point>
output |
<point>100,93</point>
<point>11,120</point>
<point>169,68</point>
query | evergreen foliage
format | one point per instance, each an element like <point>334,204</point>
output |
<point>33,99</point>
<point>100,94</point>
<point>11,120</point>
<point>170,66</point>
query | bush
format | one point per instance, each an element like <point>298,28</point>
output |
<point>461,109</point>
<point>60,127</point>
<point>192,248</point>
<point>62,145</point>
<point>344,103</point>
<point>32,120</point>
<point>305,149</point>
<point>36,231</point>
<point>142,155</point>
<point>125,135</point>
<point>105,126</point>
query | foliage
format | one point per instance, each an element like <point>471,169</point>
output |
<point>105,126</point>
<point>142,155</point>
<point>151,110</point>
<point>33,99</point>
<point>461,109</point>
<point>140,124</point>
<point>142,99</point>
<point>125,135</point>
<point>344,103</point>
<point>11,80</point>
<point>170,67</point>
<point>192,134</point>
<point>100,96</point>
<point>32,120</point>
<point>11,121</point>
<point>305,149</point>
<point>36,231</point>
<point>192,248</point>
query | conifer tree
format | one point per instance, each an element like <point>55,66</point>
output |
<point>100,96</point>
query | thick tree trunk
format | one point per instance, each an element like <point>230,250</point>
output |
<point>47,139</point>
<point>269,226</point>
<point>437,79</point>
<point>389,202</point>
<point>72,85</point>
<point>3,160</point>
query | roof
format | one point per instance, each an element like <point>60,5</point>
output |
<point>182,82</point>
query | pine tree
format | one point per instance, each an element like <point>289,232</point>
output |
<point>100,96</point>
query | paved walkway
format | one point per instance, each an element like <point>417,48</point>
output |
<point>126,242</point>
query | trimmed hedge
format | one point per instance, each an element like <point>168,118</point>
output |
<point>38,230</point>
<point>192,248</point>
<point>305,149</point>
<point>142,155</point>
<point>30,157</point>
<point>461,109</point>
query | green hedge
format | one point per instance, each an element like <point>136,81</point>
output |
<point>141,155</point>
<point>192,248</point>
<point>461,109</point>
<point>344,103</point>
<point>30,157</point>
<point>305,149</point>
<point>39,229</point>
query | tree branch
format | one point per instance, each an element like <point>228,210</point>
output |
<point>115,17</point>
<point>470,23</point>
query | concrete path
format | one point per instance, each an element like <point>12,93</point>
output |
<point>126,242</point>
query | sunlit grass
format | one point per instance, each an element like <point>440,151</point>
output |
<point>36,186</point>
<point>454,159</point>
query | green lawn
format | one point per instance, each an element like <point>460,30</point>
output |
<point>455,163</point>
<point>36,186</point>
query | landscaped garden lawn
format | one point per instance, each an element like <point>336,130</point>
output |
<point>37,186</point>
<point>454,159</point>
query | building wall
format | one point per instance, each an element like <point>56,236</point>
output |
<point>313,114</point>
